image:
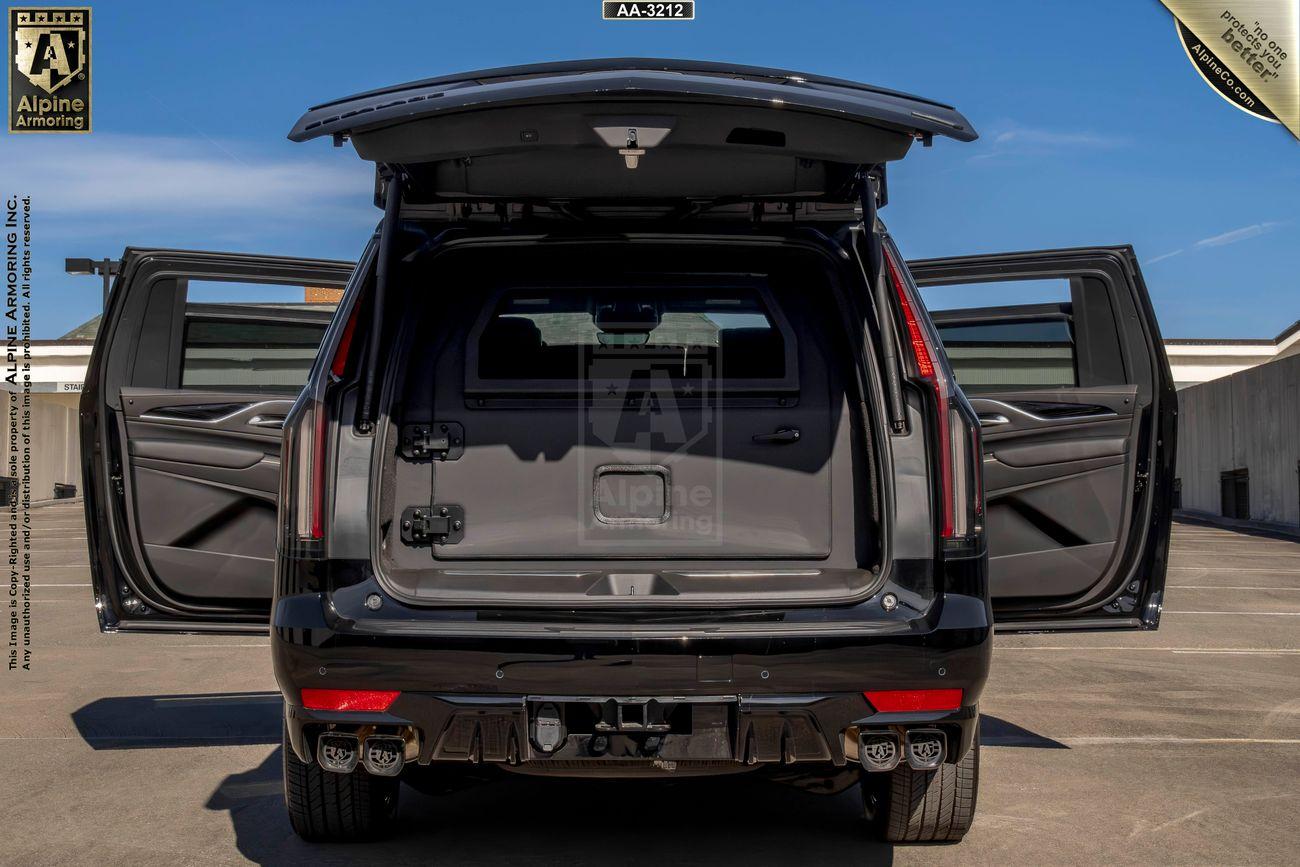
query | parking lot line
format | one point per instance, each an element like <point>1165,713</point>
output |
<point>263,646</point>
<point>1238,613</point>
<point>1243,651</point>
<point>1234,570</point>
<point>1221,587</point>
<point>1103,740</point>
<point>1243,551</point>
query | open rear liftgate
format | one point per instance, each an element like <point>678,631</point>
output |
<point>625,735</point>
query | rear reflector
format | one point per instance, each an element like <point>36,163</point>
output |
<point>905,700</point>
<point>348,699</point>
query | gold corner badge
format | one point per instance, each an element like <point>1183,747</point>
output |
<point>1248,51</point>
<point>49,70</point>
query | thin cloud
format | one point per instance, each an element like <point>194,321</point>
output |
<point>152,177</point>
<point>1052,138</point>
<point>1036,141</point>
<point>1245,233</point>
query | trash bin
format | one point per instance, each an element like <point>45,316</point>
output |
<point>64,491</point>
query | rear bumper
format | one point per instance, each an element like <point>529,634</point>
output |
<point>760,696</point>
<point>730,733</point>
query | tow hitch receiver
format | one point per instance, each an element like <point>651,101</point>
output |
<point>628,728</point>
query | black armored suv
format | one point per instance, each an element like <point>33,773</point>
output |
<point>629,448</point>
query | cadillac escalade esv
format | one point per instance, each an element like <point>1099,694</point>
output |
<point>629,448</point>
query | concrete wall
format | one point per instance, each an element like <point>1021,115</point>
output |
<point>56,456</point>
<point>1250,420</point>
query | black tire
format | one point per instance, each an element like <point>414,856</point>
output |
<point>325,807</point>
<point>907,806</point>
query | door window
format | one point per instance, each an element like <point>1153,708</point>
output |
<point>1036,351</point>
<point>1019,335</point>
<point>252,336</point>
<point>1009,335</point>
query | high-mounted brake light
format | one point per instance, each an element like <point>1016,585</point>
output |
<point>349,699</point>
<point>913,700</point>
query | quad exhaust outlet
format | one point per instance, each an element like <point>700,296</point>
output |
<point>384,755</point>
<point>337,752</point>
<point>879,751</point>
<point>380,755</point>
<point>922,749</point>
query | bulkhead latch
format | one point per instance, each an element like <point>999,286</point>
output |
<point>432,440</point>
<point>433,525</point>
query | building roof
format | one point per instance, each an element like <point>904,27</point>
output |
<point>88,329</point>
<point>1283,336</point>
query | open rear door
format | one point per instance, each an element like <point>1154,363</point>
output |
<point>198,359</point>
<point>1059,354</point>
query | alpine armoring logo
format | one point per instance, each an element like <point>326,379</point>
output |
<point>49,76</point>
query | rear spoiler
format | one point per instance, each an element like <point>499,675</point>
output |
<point>660,78</point>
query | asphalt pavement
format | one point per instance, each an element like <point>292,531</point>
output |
<point>1175,747</point>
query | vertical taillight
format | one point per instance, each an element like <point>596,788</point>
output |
<point>956,436</point>
<point>309,482</point>
<point>308,444</point>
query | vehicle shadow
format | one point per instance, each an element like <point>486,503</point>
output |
<point>152,721</point>
<point>996,732</point>
<point>518,819</point>
<point>575,822</point>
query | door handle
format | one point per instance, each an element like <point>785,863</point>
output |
<point>272,421</point>
<point>780,437</point>
<point>993,419</point>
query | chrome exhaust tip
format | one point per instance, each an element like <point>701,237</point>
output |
<point>925,748</point>
<point>384,755</point>
<point>878,751</point>
<point>337,752</point>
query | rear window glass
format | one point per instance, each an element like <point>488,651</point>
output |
<point>584,334</point>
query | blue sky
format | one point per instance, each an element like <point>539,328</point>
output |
<point>1095,130</point>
